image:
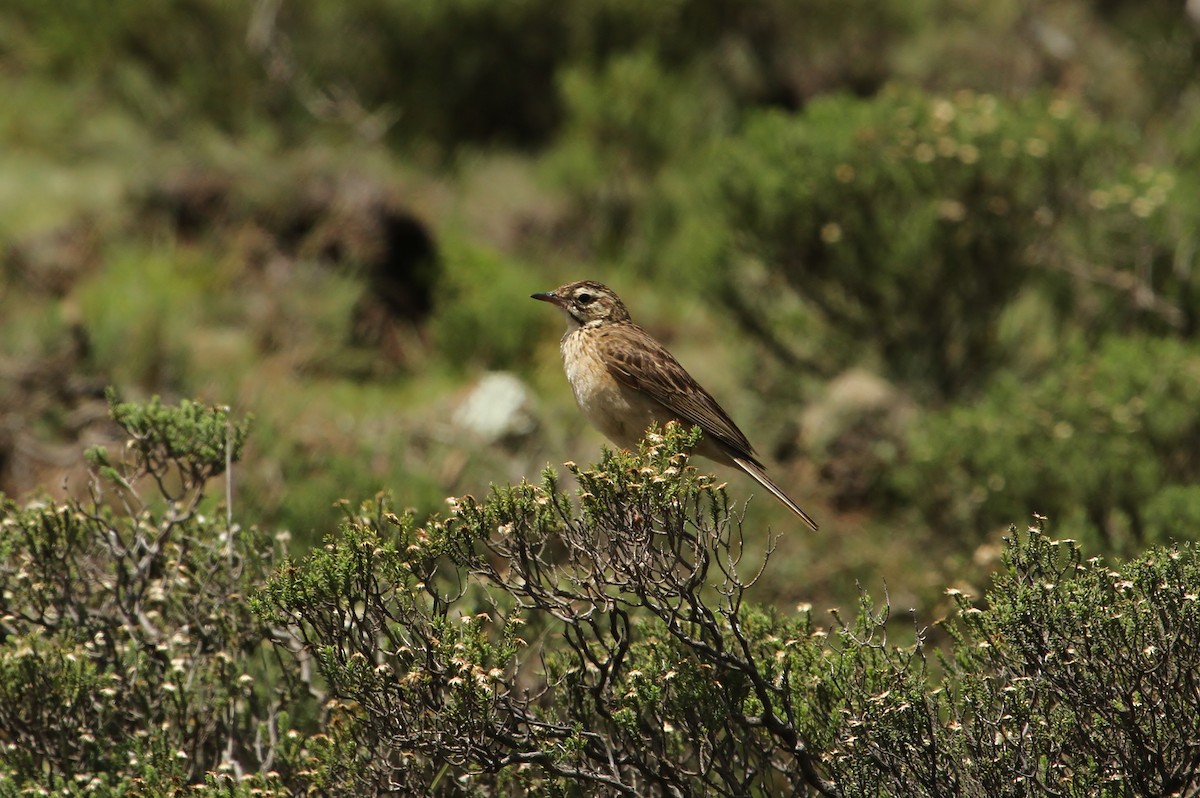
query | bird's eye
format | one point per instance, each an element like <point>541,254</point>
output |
<point>584,298</point>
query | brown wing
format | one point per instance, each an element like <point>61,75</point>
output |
<point>638,361</point>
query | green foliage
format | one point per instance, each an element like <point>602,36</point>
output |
<point>461,70</point>
<point>902,223</point>
<point>140,313</point>
<point>1026,249</point>
<point>640,669</point>
<point>638,123</point>
<point>1070,678</point>
<point>1132,254</point>
<point>201,441</point>
<point>1077,678</point>
<point>144,57</point>
<point>625,126</point>
<point>707,146</point>
<point>480,318</point>
<point>418,628</point>
<point>472,71</point>
<point>129,663</point>
<point>535,644</point>
<point>455,70</point>
<point>372,609</point>
<point>1097,442</point>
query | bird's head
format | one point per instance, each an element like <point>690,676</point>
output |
<point>586,304</point>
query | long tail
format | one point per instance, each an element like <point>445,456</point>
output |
<point>760,476</point>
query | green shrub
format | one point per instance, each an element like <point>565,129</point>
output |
<point>128,662</point>
<point>441,670</point>
<point>445,73</point>
<point>480,317</point>
<point>628,125</point>
<point>165,61</point>
<point>535,644</point>
<point>140,311</point>
<point>455,71</point>
<point>1077,678</point>
<point>1130,255</point>
<point>1172,514</point>
<point>903,224</point>
<point>465,71</point>
<point>1093,444</point>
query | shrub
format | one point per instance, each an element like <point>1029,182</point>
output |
<point>535,644</point>
<point>440,73</point>
<point>1131,255</point>
<point>1075,679</point>
<point>145,58</point>
<point>129,664</point>
<point>1097,443</point>
<point>628,126</point>
<point>140,313</point>
<point>464,71</point>
<point>532,644</point>
<point>903,224</point>
<point>468,329</point>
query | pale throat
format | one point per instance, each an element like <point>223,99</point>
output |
<point>574,324</point>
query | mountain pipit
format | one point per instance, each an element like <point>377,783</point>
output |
<point>624,380</point>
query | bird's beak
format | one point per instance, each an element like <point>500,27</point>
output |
<point>548,296</point>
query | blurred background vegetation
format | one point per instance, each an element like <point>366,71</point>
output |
<point>938,257</point>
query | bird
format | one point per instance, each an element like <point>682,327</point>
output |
<point>624,380</point>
